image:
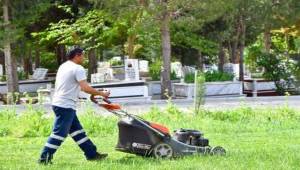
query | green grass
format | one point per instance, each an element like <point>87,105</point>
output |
<point>254,139</point>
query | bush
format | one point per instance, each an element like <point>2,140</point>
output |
<point>22,75</point>
<point>48,61</point>
<point>3,78</point>
<point>210,77</point>
<point>114,62</point>
<point>218,76</point>
<point>155,70</point>
<point>277,67</point>
<point>189,78</point>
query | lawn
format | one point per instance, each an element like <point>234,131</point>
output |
<point>253,138</point>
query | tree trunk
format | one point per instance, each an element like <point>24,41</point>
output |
<point>2,61</point>
<point>234,44</point>
<point>166,90</point>
<point>130,43</point>
<point>267,40</point>
<point>242,47</point>
<point>10,63</point>
<point>200,61</point>
<point>221,57</point>
<point>37,58</point>
<point>27,60</point>
<point>61,54</point>
<point>92,63</point>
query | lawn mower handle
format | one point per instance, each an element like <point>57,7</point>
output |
<point>92,98</point>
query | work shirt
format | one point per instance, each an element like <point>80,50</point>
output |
<point>67,87</point>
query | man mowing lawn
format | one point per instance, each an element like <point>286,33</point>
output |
<point>70,79</point>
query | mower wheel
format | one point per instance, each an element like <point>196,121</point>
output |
<point>218,150</point>
<point>163,150</point>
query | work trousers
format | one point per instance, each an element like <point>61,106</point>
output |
<point>66,122</point>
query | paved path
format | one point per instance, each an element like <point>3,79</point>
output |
<point>137,105</point>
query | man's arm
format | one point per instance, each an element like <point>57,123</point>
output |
<point>90,90</point>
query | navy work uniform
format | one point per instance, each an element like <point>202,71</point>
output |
<point>64,106</point>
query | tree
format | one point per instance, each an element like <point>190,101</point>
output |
<point>10,62</point>
<point>17,15</point>
<point>94,30</point>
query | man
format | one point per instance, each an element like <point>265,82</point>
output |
<point>70,78</point>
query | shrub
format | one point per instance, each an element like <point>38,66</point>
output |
<point>114,62</point>
<point>277,67</point>
<point>189,78</point>
<point>218,76</point>
<point>210,77</point>
<point>155,69</point>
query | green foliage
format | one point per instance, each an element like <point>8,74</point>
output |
<point>30,123</point>
<point>48,60</point>
<point>93,30</point>
<point>22,15</point>
<point>252,53</point>
<point>116,62</point>
<point>155,69</point>
<point>200,90</point>
<point>149,38</point>
<point>277,68</point>
<point>218,76</point>
<point>210,76</point>
<point>189,78</point>
<point>97,125</point>
<point>248,114</point>
<point>184,38</point>
<point>3,78</point>
<point>22,75</point>
<point>173,76</point>
<point>33,122</point>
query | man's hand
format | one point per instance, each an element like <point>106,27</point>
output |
<point>105,93</point>
<point>90,90</point>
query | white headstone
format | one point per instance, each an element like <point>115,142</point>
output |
<point>228,68</point>
<point>177,68</point>
<point>188,70</point>
<point>232,68</point>
<point>236,70</point>
<point>97,78</point>
<point>144,65</point>
<point>103,64</point>
<point>132,69</point>
<point>106,72</point>
<point>39,73</point>
<point>1,70</point>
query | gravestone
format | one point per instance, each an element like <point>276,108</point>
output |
<point>132,70</point>
<point>144,66</point>
<point>1,70</point>
<point>107,73</point>
<point>103,65</point>
<point>188,70</point>
<point>177,68</point>
<point>97,78</point>
<point>39,74</point>
<point>232,69</point>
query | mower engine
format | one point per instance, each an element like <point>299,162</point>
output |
<point>191,137</point>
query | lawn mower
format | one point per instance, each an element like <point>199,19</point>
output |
<point>144,138</point>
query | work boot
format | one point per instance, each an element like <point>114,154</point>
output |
<point>46,160</point>
<point>99,156</point>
